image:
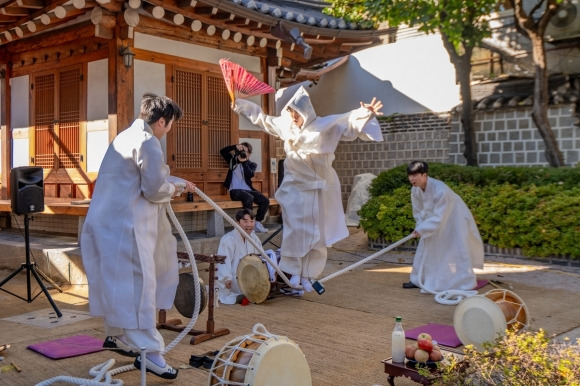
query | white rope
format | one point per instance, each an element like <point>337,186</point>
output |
<point>102,373</point>
<point>244,234</point>
<point>449,297</point>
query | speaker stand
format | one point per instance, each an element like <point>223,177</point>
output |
<point>36,272</point>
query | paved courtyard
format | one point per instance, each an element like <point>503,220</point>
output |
<point>344,333</point>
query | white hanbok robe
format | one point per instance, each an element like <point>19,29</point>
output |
<point>234,247</point>
<point>309,195</point>
<point>450,243</point>
<point>128,250</point>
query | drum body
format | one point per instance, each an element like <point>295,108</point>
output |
<point>253,278</point>
<point>185,296</point>
<point>260,360</point>
<point>483,318</point>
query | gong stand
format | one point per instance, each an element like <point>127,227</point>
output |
<point>210,332</point>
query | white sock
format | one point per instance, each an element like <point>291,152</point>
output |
<point>306,284</point>
<point>156,358</point>
<point>294,281</point>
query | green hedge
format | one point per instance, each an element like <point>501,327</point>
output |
<point>532,208</point>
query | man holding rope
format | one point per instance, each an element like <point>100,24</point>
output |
<point>128,249</point>
<point>450,246</point>
<point>309,195</point>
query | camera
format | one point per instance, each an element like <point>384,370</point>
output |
<point>243,154</point>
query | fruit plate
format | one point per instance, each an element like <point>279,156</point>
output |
<point>430,364</point>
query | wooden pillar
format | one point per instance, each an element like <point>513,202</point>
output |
<point>121,82</point>
<point>6,132</point>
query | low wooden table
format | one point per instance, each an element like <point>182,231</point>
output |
<point>408,369</point>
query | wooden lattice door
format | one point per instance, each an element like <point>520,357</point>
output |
<point>58,117</point>
<point>207,126</point>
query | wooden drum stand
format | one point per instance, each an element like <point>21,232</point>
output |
<point>175,324</point>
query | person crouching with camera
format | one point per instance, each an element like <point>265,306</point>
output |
<point>239,181</point>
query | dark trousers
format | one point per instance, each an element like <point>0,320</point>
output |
<point>248,197</point>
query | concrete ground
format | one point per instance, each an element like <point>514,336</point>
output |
<point>344,333</point>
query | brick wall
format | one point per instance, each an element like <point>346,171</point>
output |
<point>509,137</point>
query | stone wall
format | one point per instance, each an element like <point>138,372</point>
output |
<point>509,137</point>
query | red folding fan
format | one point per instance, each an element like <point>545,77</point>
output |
<point>240,83</point>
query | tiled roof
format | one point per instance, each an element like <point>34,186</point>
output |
<point>507,93</point>
<point>298,11</point>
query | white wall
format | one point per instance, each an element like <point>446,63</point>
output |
<point>412,75</point>
<point>97,113</point>
<point>19,113</point>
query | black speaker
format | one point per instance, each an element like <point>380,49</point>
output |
<point>27,190</point>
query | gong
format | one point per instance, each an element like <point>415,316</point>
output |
<point>185,297</point>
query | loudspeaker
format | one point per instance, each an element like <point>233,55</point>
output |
<point>27,189</point>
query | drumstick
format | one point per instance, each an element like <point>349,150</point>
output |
<point>492,282</point>
<point>16,367</point>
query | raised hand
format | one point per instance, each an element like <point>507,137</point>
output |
<point>374,106</point>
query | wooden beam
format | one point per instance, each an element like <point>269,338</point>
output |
<point>67,11</point>
<point>184,33</point>
<point>65,54</point>
<point>15,11</point>
<point>104,22</point>
<point>34,4</point>
<point>8,19</point>
<point>54,38</point>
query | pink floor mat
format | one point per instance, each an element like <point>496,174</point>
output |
<point>481,283</point>
<point>443,334</point>
<point>68,347</point>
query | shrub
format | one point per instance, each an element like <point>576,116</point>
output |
<point>524,358</point>
<point>541,219</point>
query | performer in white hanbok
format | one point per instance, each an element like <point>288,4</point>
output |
<point>234,246</point>
<point>310,198</point>
<point>450,246</point>
<point>128,249</point>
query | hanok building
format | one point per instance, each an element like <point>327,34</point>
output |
<point>73,72</point>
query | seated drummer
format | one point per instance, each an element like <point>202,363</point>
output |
<point>234,247</point>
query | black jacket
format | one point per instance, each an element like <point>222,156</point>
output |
<point>230,154</point>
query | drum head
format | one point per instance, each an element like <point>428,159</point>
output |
<point>478,319</point>
<point>513,307</point>
<point>253,278</point>
<point>279,362</point>
<point>185,297</point>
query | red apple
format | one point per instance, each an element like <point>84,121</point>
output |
<point>425,344</point>
<point>421,356</point>
<point>435,355</point>
<point>410,351</point>
<point>424,335</point>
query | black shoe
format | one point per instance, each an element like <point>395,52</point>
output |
<point>119,347</point>
<point>166,372</point>
<point>205,360</point>
<point>409,285</point>
<point>208,361</point>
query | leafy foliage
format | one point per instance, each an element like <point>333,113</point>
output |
<point>463,22</point>
<point>524,358</point>
<point>532,208</point>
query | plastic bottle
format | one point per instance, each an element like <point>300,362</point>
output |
<point>398,342</point>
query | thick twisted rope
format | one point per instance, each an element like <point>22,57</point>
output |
<point>102,373</point>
